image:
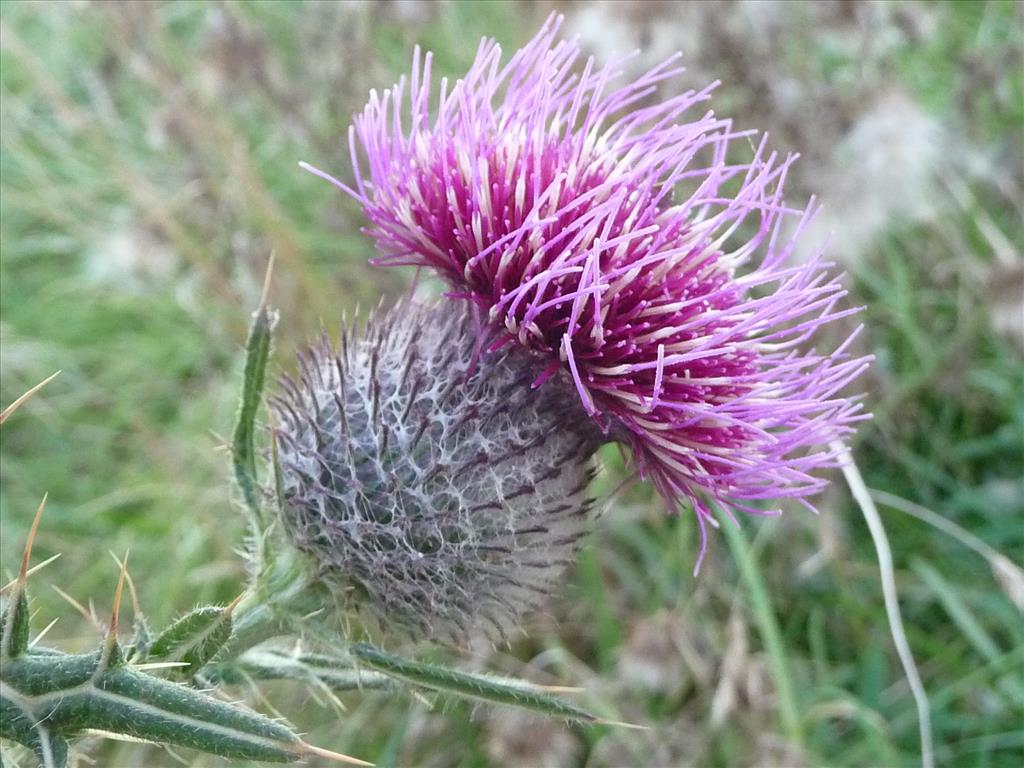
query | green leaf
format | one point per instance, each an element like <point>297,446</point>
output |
<point>142,639</point>
<point>14,629</point>
<point>194,638</point>
<point>49,697</point>
<point>334,673</point>
<point>471,686</point>
<point>957,610</point>
<point>257,353</point>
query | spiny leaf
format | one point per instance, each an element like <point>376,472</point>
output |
<point>14,628</point>
<point>195,638</point>
<point>335,673</point>
<point>141,635</point>
<point>111,654</point>
<point>257,352</point>
<point>57,695</point>
<point>124,701</point>
<point>479,687</point>
<point>142,638</point>
<point>14,631</point>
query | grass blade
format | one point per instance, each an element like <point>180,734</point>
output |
<point>768,627</point>
<point>957,610</point>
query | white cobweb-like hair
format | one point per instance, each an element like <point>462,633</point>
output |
<point>426,478</point>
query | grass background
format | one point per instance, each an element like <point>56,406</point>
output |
<point>148,158</point>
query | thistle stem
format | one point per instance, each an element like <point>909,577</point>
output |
<point>279,598</point>
<point>253,625</point>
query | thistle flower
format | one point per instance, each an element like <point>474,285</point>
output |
<point>428,477</point>
<point>625,242</point>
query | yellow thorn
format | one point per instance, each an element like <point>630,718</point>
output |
<point>335,756</point>
<point>14,406</point>
<point>78,759</point>
<point>118,594</point>
<point>620,724</point>
<point>266,284</point>
<point>230,609</point>
<point>91,618</point>
<point>110,640</point>
<point>162,665</point>
<point>23,573</point>
<point>32,570</point>
<point>559,688</point>
<point>221,443</point>
<point>422,699</point>
<point>271,428</point>
<point>42,634</point>
<point>117,736</point>
<point>325,689</point>
<point>136,610</point>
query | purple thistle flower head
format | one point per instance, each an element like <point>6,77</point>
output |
<point>623,240</point>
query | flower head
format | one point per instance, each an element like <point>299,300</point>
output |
<point>630,243</point>
<point>432,482</point>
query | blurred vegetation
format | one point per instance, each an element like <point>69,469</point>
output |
<point>149,168</point>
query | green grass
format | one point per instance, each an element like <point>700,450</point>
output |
<point>170,134</point>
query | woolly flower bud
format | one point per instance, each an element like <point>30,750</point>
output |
<point>428,477</point>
